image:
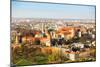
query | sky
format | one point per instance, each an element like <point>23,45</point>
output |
<point>47,10</point>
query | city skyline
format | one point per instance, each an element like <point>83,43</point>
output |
<point>48,10</point>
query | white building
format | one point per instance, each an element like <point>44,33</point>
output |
<point>78,45</point>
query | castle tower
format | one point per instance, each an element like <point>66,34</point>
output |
<point>16,39</point>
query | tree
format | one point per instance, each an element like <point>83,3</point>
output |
<point>53,42</point>
<point>75,49</point>
<point>37,41</point>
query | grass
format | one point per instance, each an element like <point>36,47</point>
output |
<point>23,62</point>
<point>35,56</point>
<point>41,59</point>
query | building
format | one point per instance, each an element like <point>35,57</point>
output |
<point>72,55</point>
<point>66,32</point>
